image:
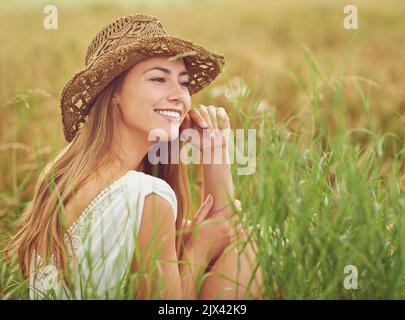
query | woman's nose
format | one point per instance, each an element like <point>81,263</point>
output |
<point>177,94</point>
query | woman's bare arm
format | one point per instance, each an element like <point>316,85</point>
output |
<point>156,255</point>
<point>217,181</point>
<point>217,178</point>
<point>217,175</point>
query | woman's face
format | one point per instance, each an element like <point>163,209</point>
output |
<point>154,95</point>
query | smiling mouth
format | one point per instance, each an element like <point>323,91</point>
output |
<point>170,115</point>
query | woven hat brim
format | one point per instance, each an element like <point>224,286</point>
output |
<point>81,90</point>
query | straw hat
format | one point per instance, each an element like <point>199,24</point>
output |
<point>117,47</point>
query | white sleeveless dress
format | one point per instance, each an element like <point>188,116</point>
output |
<point>103,241</point>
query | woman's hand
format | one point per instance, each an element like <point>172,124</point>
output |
<point>217,175</point>
<point>212,124</point>
<point>208,237</point>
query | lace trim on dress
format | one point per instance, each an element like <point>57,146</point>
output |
<point>100,197</point>
<point>45,277</point>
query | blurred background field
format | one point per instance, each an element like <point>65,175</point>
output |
<point>293,72</point>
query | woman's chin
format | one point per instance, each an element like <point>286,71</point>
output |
<point>172,136</point>
<point>171,131</point>
<point>163,134</point>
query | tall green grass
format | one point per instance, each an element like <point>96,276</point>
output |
<point>319,202</point>
<point>327,191</point>
<point>329,202</point>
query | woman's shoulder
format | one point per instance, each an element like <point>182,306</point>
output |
<point>140,182</point>
<point>139,178</point>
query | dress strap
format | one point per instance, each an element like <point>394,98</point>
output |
<point>150,184</point>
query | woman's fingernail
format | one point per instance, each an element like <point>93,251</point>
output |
<point>209,197</point>
<point>204,124</point>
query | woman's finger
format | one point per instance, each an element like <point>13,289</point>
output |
<point>205,209</point>
<point>238,233</point>
<point>220,117</point>
<point>212,111</point>
<point>201,214</point>
<point>223,119</point>
<point>204,113</point>
<point>198,118</point>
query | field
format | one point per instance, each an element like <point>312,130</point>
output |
<point>328,105</point>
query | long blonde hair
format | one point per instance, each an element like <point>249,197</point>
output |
<point>42,221</point>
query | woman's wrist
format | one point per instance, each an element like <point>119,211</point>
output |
<point>217,156</point>
<point>193,265</point>
<point>192,254</point>
<point>217,180</point>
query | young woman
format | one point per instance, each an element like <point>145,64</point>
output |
<point>107,222</point>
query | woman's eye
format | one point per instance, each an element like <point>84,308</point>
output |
<point>158,79</point>
<point>184,83</point>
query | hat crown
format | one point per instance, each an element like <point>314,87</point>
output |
<point>121,31</point>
